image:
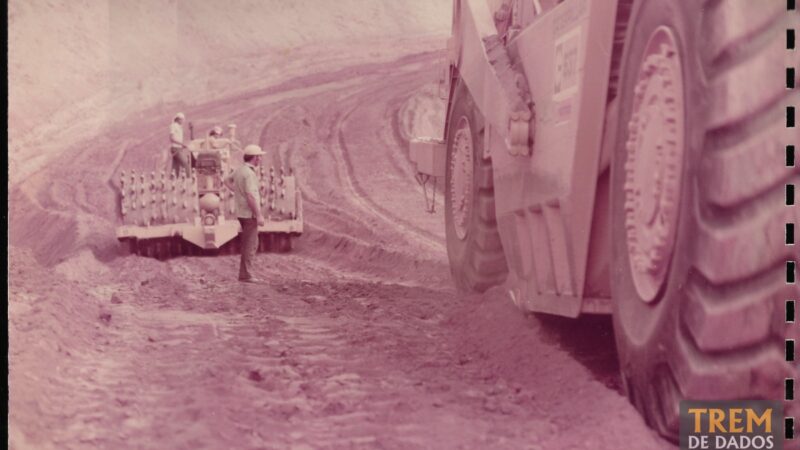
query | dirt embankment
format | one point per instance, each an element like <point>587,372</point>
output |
<point>77,68</point>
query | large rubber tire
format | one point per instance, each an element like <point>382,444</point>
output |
<point>477,262</point>
<point>716,328</point>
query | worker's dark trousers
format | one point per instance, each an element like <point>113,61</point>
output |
<point>249,245</point>
<point>181,161</point>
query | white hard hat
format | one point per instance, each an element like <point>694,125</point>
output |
<point>217,130</point>
<point>253,150</point>
<point>179,116</point>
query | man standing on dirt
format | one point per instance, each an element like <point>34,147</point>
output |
<point>178,150</point>
<point>244,184</point>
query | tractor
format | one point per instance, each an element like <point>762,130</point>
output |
<point>626,157</point>
<point>166,215</point>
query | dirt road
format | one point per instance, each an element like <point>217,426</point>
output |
<point>357,339</point>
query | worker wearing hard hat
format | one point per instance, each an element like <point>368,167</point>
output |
<point>216,141</point>
<point>244,184</point>
<point>215,132</point>
<point>177,149</point>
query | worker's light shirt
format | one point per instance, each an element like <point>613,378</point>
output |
<point>215,142</point>
<point>175,134</point>
<point>245,181</point>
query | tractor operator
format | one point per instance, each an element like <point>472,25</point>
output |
<point>178,150</point>
<point>215,137</point>
<point>244,184</point>
<point>215,141</point>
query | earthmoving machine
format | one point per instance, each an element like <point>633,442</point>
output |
<point>194,213</point>
<point>627,157</point>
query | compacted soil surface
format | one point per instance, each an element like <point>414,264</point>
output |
<point>355,339</point>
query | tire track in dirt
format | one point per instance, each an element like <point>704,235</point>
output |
<point>330,125</point>
<point>283,149</point>
<point>343,154</point>
<point>402,159</point>
<point>371,206</point>
<point>84,198</point>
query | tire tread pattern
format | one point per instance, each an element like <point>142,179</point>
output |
<point>729,339</point>
<point>484,263</point>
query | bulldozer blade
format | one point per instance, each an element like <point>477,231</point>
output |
<point>264,242</point>
<point>282,242</point>
<point>144,248</point>
<point>175,247</point>
<point>161,248</point>
<point>131,245</point>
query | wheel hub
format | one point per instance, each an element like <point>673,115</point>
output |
<point>655,154</point>
<point>461,168</point>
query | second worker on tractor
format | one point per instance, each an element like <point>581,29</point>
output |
<point>181,158</point>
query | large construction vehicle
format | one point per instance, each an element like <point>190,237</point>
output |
<point>166,215</point>
<point>626,157</point>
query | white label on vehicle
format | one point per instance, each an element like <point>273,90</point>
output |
<point>567,54</point>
